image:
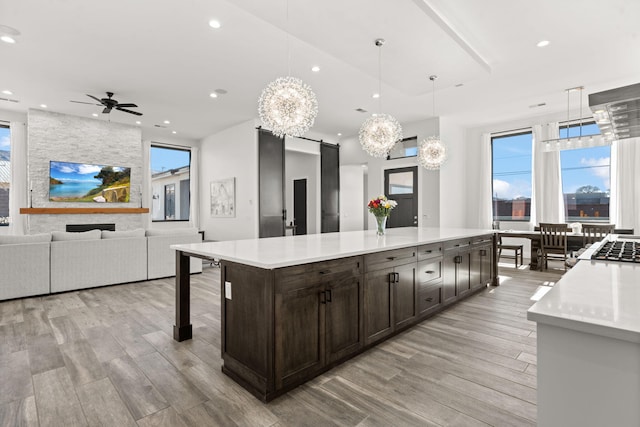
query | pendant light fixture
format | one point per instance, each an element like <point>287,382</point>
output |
<point>432,152</point>
<point>380,132</point>
<point>288,106</point>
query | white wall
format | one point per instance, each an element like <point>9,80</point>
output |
<point>454,188</point>
<point>299,165</point>
<point>352,197</point>
<point>351,153</point>
<point>232,152</point>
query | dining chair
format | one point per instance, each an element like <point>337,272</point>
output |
<point>595,232</point>
<point>553,243</point>
<point>517,251</point>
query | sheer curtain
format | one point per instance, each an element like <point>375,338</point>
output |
<point>625,184</point>
<point>485,213</point>
<point>547,198</point>
<point>19,178</point>
<point>146,181</point>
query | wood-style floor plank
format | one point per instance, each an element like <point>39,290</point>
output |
<point>106,356</point>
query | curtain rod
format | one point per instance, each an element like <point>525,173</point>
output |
<point>301,137</point>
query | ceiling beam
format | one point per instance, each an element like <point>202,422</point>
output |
<point>455,35</point>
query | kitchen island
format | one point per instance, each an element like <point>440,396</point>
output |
<point>293,307</point>
<point>588,346</point>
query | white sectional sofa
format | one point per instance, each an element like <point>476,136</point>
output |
<point>24,265</point>
<point>61,261</point>
<point>86,260</point>
<point>161,258</point>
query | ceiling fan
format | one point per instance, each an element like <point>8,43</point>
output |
<point>110,103</point>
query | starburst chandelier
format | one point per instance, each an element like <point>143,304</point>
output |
<point>380,132</point>
<point>287,106</point>
<point>432,152</point>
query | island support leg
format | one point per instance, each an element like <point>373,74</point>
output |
<point>182,329</point>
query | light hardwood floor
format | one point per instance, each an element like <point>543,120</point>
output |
<point>105,357</point>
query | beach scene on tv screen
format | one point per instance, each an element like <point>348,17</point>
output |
<point>81,182</point>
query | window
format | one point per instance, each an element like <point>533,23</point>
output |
<point>586,176</point>
<point>170,178</point>
<point>5,174</point>
<point>408,147</point>
<point>511,157</point>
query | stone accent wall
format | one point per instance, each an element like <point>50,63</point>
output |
<point>65,138</point>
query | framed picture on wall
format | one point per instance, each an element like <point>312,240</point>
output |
<point>223,198</point>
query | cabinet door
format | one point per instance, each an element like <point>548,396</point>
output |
<point>476,267</point>
<point>486,264</point>
<point>378,305</point>
<point>463,285</point>
<point>344,327</point>
<point>299,333</point>
<point>404,287</point>
<point>449,275</point>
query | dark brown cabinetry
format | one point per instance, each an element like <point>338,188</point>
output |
<point>283,326</point>
<point>457,266</point>
<point>389,292</point>
<point>317,317</point>
<point>481,252</point>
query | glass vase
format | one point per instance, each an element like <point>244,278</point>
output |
<point>381,220</point>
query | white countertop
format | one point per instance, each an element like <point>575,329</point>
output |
<point>276,252</point>
<point>597,297</point>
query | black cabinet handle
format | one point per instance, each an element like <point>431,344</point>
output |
<point>323,297</point>
<point>328,295</point>
<point>457,259</point>
<point>323,272</point>
<point>397,277</point>
<point>429,271</point>
<point>392,278</point>
<point>458,245</point>
<point>428,252</point>
<point>429,299</point>
<point>391,258</point>
<point>483,252</point>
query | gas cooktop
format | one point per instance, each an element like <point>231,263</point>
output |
<point>618,250</point>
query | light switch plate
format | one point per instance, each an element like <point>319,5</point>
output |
<point>227,290</point>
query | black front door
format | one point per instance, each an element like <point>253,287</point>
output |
<point>300,205</point>
<point>401,185</point>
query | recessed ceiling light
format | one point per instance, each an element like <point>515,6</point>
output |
<point>214,24</point>
<point>43,105</point>
<point>94,114</point>
<point>173,132</point>
<point>339,134</point>
<point>166,122</point>
<point>375,95</point>
<point>8,39</point>
<point>7,92</point>
<point>213,95</point>
<point>315,68</point>
<point>138,122</point>
<point>543,43</point>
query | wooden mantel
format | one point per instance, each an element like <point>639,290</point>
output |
<point>73,211</point>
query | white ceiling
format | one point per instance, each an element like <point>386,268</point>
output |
<point>163,56</point>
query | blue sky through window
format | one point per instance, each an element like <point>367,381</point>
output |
<point>5,140</point>
<point>163,159</point>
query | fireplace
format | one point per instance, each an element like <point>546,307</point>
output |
<point>86,227</point>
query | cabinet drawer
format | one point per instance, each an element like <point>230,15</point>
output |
<point>457,244</point>
<point>431,250</point>
<point>482,240</point>
<point>429,271</point>
<point>288,278</point>
<point>429,297</point>
<point>389,259</point>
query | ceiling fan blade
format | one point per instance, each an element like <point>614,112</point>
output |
<point>126,105</point>
<point>106,111</point>
<point>128,111</point>
<point>93,97</point>
<point>82,102</point>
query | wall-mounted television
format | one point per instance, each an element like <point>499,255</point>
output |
<point>81,182</point>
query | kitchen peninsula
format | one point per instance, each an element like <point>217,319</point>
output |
<point>293,307</point>
<point>588,346</point>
